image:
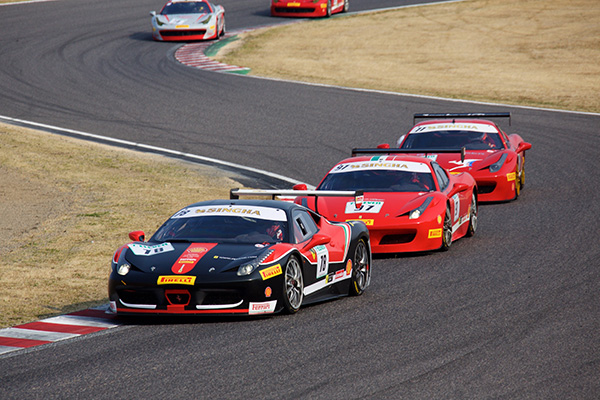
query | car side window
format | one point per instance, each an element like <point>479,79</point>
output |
<point>441,175</point>
<point>304,226</point>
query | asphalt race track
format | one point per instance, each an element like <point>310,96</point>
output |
<point>510,313</point>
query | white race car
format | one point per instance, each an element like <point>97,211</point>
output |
<point>185,20</point>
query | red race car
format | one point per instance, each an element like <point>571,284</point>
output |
<point>410,203</point>
<point>308,8</point>
<point>495,159</point>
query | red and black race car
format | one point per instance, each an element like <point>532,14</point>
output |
<point>308,8</point>
<point>410,203</point>
<point>239,257</point>
<point>495,159</point>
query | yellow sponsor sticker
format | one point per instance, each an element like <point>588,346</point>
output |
<point>293,4</point>
<point>270,272</point>
<point>368,222</point>
<point>510,177</point>
<point>435,233</point>
<point>181,26</point>
<point>175,280</point>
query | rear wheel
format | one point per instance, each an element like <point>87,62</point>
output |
<point>447,231</point>
<point>360,269</point>
<point>293,286</point>
<point>473,210</point>
<point>346,5</point>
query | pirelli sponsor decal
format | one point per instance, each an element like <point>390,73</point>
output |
<point>270,272</point>
<point>435,233</point>
<point>367,222</point>
<point>175,280</point>
<point>511,176</point>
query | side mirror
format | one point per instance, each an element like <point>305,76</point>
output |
<point>457,188</point>
<point>300,186</point>
<point>317,240</point>
<point>523,146</point>
<point>153,13</point>
<point>383,146</point>
<point>137,236</point>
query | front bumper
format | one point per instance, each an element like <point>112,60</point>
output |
<point>243,297</point>
<point>298,9</point>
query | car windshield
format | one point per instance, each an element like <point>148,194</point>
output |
<point>186,7</point>
<point>223,224</point>
<point>379,180</point>
<point>453,140</point>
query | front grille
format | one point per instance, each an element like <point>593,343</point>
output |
<point>486,188</point>
<point>181,33</point>
<point>219,297</point>
<point>294,10</point>
<point>178,297</point>
<point>139,296</point>
<point>398,238</point>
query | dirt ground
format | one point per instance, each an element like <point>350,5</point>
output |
<point>66,205</point>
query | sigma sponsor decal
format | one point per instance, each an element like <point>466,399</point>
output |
<point>190,257</point>
<point>454,127</point>
<point>270,272</point>
<point>380,163</point>
<point>175,280</point>
<point>146,250</point>
<point>266,307</point>
<point>434,233</point>
<point>273,214</point>
<point>368,206</point>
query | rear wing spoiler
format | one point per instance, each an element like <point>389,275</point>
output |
<point>379,150</point>
<point>463,115</point>
<point>358,194</point>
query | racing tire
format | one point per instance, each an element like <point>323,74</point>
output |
<point>361,269</point>
<point>447,231</point>
<point>517,185</point>
<point>346,5</point>
<point>473,212</point>
<point>293,286</point>
<point>328,9</point>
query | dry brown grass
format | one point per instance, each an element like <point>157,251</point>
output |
<point>65,207</point>
<point>529,52</point>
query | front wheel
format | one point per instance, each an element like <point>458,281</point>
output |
<point>517,185</point>
<point>361,269</point>
<point>293,286</point>
<point>328,9</point>
<point>447,231</point>
<point>346,5</point>
<point>473,210</point>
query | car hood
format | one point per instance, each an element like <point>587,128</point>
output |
<point>190,258</point>
<point>474,160</point>
<point>375,204</point>
<point>182,19</point>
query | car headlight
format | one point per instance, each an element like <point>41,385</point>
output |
<point>416,213</point>
<point>123,269</point>
<point>249,267</point>
<point>495,167</point>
